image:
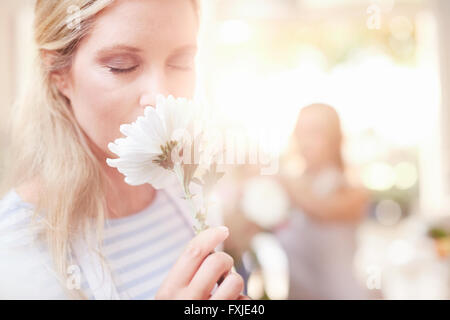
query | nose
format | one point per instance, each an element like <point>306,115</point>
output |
<point>152,86</point>
<point>148,99</point>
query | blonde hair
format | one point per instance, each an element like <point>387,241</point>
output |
<point>47,142</point>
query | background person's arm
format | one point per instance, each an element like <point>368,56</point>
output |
<point>346,205</point>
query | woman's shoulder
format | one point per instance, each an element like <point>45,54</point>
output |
<point>13,210</point>
<point>12,200</point>
<point>16,222</point>
<point>25,268</point>
<point>13,207</point>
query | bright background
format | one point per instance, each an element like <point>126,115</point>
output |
<point>383,66</point>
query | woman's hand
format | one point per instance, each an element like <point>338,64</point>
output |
<point>197,271</point>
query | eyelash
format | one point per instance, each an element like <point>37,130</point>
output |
<point>181,68</point>
<point>116,70</point>
<point>128,70</point>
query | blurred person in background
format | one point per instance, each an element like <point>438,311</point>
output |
<point>319,236</point>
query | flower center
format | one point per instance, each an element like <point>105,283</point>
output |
<point>165,158</point>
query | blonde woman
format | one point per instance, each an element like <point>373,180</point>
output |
<point>70,227</point>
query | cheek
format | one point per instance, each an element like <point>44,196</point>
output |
<point>182,84</point>
<point>101,105</point>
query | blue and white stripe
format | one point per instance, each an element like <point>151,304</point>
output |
<point>140,249</point>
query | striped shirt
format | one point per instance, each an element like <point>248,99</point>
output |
<point>140,249</point>
<point>25,264</point>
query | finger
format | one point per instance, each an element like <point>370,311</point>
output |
<point>212,269</point>
<point>195,252</point>
<point>242,297</point>
<point>230,289</point>
<point>233,269</point>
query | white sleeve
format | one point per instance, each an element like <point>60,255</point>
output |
<point>25,266</point>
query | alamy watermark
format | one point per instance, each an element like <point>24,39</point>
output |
<point>231,146</point>
<point>73,281</point>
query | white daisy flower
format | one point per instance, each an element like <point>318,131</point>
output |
<point>168,144</point>
<point>153,142</point>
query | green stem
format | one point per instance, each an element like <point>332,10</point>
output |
<point>177,169</point>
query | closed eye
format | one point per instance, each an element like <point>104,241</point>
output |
<point>183,59</point>
<point>122,70</point>
<point>183,68</point>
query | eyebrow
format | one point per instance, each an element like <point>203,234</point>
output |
<point>189,47</point>
<point>118,47</point>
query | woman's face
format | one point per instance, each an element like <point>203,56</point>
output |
<point>313,138</point>
<point>135,50</point>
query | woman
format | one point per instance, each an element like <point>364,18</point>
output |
<point>319,238</point>
<point>100,62</point>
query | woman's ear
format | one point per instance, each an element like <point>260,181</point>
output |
<point>59,75</point>
<point>61,80</point>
